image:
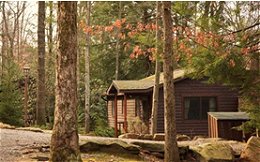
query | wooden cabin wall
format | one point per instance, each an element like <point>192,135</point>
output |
<point>120,118</point>
<point>227,100</point>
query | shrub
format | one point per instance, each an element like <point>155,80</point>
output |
<point>137,126</point>
<point>11,97</point>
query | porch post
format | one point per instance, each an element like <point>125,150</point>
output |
<point>125,113</point>
<point>115,109</point>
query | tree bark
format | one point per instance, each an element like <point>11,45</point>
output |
<point>87,73</point>
<point>171,147</point>
<point>157,75</point>
<point>49,63</point>
<point>64,141</point>
<point>118,43</point>
<point>40,111</point>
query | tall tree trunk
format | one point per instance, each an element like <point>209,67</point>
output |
<point>40,111</point>
<point>3,48</point>
<point>49,63</point>
<point>171,147</point>
<point>64,141</point>
<point>118,43</point>
<point>87,74</point>
<point>157,74</point>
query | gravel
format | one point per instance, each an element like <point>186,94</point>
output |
<point>14,142</point>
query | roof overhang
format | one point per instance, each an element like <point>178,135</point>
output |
<point>143,85</point>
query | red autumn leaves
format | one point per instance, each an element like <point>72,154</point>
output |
<point>184,39</point>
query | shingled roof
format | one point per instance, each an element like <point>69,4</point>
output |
<point>142,85</point>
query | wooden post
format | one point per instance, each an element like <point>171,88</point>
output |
<point>125,113</point>
<point>216,125</point>
<point>115,109</point>
<point>209,125</point>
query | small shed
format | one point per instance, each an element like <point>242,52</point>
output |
<point>221,125</point>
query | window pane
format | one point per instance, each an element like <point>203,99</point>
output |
<point>208,104</point>
<point>192,107</point>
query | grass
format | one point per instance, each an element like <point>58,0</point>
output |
<point>106,157</point>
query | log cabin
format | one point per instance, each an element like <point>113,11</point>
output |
<point>128,99</point>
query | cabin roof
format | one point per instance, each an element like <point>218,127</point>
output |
<point>145,84</point>
<point>229,115</point>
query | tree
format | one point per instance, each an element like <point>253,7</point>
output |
<point>64,141</point>
<point>50,65</point>
<point>170,147</point>
<point>228,53</point>
<point>87,74</point>
<point>118,42</point>
<point>40,111</point>
<point>157,74</point>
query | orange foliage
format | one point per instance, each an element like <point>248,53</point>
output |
<point>129,27</point>
<point>118,24</point>
<point>140,26</point>
<point>232,63</point>
<point>87,29</point>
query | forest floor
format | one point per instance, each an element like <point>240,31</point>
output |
<point>23,146</point>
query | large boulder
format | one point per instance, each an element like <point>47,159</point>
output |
<point>213,152</point>
<point>115,146</point>
<point>150,146</point>
<point>157,149</point>
<point>147,137</point>
<point>183,137</point>
<point>158,137</point>
<point>129,136</point>
<point>251,152</point>
<point>6,126</point>
<point>33,129</point>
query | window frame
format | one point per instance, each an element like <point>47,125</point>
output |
<point>200,96</point>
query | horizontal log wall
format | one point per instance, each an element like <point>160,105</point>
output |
<point>227,100</point>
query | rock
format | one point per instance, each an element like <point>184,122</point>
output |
<point>213,152</point>
<point>149,146</point>
<point>158,137</point>
<point>237,147</point>
<point>30,129</point>
<point>148,137</point>
<point>41,158</point>
<point>115,146</point>
<point>141,136</point>
<point>6,126</point>
<point>158,155</point>
<point>157,149</point>
<point>251,152</point>
<point>199,137</point>
<point>28,151</point>
<point>129,136</point>
<point>183,138</point>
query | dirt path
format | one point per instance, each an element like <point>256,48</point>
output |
<point>16,144</point>
<point>20,145</point>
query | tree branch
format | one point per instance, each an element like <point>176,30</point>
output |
<point>244,29</point>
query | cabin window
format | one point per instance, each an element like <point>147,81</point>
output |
<point>196,108</point>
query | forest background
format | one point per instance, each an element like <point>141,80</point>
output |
<point>219,40</point>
